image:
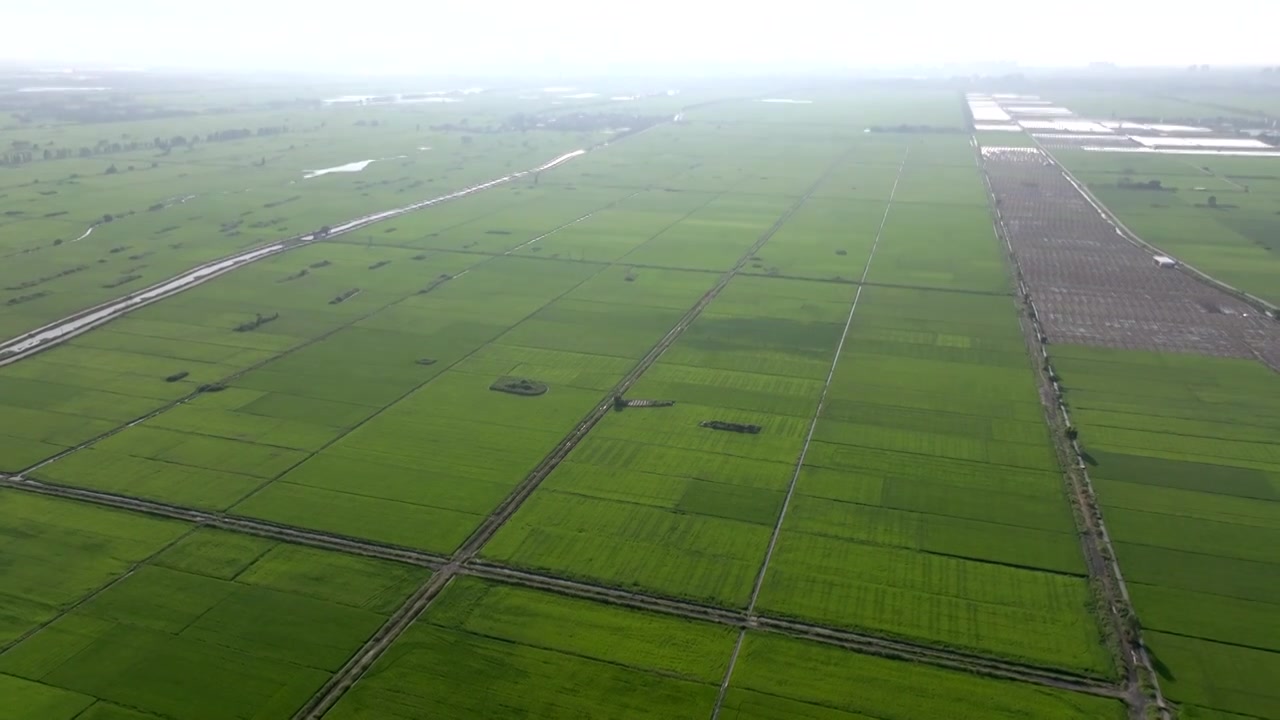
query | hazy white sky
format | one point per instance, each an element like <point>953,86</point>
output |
<point>459,37</point>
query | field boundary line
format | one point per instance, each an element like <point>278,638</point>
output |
<point>804,449</point>
<point>884,646</point>
<point>133,568</point>
<point>1095,542</point>
<point>822,397</point>
<point>235,523</point>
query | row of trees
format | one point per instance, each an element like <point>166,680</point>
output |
<point>24,151</point>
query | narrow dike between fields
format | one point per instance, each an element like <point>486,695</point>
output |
<point>364,659</point>
<point>50,335</point>
<point>804,449</point>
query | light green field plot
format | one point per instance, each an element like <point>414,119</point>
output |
<point>950,247</point>
<point>1189,480</point>
<point>114,611</point>
<point>131,367</point>
<point>779,678</point>
<point>825,238</point>
<point>530,654</point>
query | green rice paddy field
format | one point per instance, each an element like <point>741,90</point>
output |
<point>114,615</point>
<point>514,652</point>
<point>868,329</point>
<point>1184,461</point>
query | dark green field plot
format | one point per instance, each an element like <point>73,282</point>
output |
<point>495,651</point>
<point>1183,458</point>
<point>779,678</point>
<point>107,611</point>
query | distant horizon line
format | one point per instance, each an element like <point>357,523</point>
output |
<point>901,71</point>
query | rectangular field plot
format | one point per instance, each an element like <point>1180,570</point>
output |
<point>950,247</point>
<point>1186,469</point>
<point>614,232</point>
<point>778,678</point>
<point>672,506</point>
<point>118,611</point>
<point>1036,616</point>
<point>930,504</point>
<point>714,236</point>
<point>825,238</point>
<point>496,651</point>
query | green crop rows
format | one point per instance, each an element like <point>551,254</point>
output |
<point>1184,462</point>
<point>115,615</point>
